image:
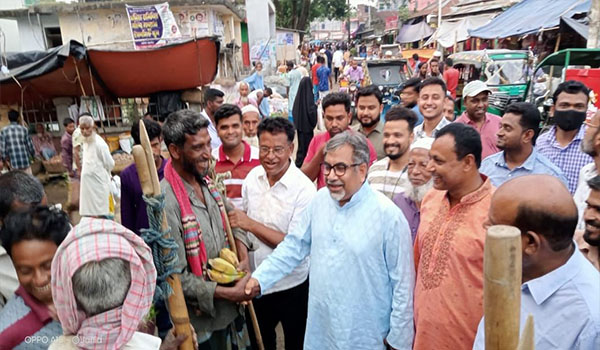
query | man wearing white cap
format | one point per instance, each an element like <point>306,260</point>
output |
<point>419,183</point>
<point>250,120</point>
<point>475,98</point>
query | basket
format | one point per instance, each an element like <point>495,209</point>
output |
<point>121,164</point>
<point>54,167</point>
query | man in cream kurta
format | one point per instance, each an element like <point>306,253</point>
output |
<point>96,165</point>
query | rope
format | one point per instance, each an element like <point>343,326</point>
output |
<point>154,237</point>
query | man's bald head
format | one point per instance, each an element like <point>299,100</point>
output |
<point>537,203</point>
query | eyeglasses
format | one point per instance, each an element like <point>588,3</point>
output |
<point>277,151</point>
<point>339,168</point>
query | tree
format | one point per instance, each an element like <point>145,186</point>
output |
<point>297,14</point>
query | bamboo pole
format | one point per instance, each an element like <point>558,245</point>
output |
<point>254,319</point>
<point>144,162</point>
<point>527,336</point>
<point>502,287</point>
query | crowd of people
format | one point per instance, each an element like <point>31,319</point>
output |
<point>369,235</point>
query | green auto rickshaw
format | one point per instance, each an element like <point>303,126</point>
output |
<point>506,72</point>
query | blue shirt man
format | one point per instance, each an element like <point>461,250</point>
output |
<point>496,168</point>
<point>323,73</point>
<point>565,305</point>
<point>519,128</point>
<point>562,143</point>
<point>560,286</point>
<point>361,274</point>
<point>569,158</point>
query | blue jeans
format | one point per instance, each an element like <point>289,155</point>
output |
<point>316,92</point>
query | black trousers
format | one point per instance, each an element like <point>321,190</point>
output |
<point>290,307</point>
<point>303,142</point>
<point>336,72</point>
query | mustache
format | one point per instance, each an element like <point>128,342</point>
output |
<point>335,183</point>
<point>392,145</point>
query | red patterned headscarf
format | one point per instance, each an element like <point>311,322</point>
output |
<point>94,240</point>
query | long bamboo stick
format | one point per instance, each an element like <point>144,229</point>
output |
<point>144,161</point>
<point>502,287</point>
<point>257,334</point>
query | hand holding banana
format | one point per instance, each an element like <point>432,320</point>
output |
<point>224,268</point>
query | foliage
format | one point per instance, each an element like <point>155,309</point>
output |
<point>297,14</point>
<point>403,13</point>
<point>330,9</point>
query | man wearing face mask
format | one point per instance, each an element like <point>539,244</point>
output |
<point>562,143</point>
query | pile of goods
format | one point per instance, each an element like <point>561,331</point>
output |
<point>54,165</point>
<point>122,161</point>
<point>224,268</point>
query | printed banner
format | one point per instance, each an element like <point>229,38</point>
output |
<point>152,26</point>
<point>194,23</point>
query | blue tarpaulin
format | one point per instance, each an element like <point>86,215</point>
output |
<point>529,17</point>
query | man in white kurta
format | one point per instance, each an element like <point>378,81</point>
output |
<point>96,165</point>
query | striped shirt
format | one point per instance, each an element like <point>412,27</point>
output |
<point>420,133</point>
<point>238,171</point>
<point>16,146</point>
<point>26,324</point>
<point>569,159</point>
<point>390,183</point>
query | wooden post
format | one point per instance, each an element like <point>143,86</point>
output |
<point>144,162</point>
<point>254,319</point>
<point>527,341</point>
<point>502,287</point>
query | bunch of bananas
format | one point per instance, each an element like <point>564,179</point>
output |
<point>224,268</point>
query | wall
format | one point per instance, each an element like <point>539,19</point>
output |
<point>31,36</point>
<point>261,32</point>
<point>111,26</point>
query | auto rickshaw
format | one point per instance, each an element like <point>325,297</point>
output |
<point>569,64</point>
<point>504,71</point>
<point>388,75</point>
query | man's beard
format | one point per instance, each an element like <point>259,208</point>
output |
<point>371,123</point>
<point>411,105</point>
<point>338,196</point>
<point>89,139</point>
<point>417,193</point>
<point>190,167</point>
<point>394,156</point>
<point>586,235</point>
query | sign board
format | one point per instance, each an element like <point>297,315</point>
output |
<point>285,39</point>
<point>193,23</point>
<point>152,26</point>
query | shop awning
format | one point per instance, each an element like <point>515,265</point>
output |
<point>413,32</point>
<point>72,71</point>
<point>529,17</point>
<point>581,28</point>
<point>455,31</point>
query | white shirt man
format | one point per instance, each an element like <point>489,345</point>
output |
<point>274,196</point>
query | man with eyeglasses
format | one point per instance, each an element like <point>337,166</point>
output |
<point>562,143</point>
<point>361,270</point>
<point>234,154</point>
<point>274,195</point>
<point>590,146</point>
<point>337,117</point>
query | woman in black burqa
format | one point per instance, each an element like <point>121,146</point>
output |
<point>305,117</point>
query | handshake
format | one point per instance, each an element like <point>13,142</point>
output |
<point>242,291</point>
<point>227,269</point>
